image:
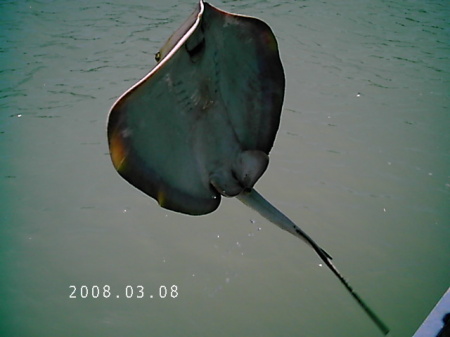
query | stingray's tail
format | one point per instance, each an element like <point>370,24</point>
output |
<point>256,201</point>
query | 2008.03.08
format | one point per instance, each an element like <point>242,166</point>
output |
<point>128,292</point>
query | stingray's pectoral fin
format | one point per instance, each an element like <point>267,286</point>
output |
<point>256,201</point>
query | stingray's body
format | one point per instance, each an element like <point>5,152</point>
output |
<point>201,124</point>
<point>216,95</point>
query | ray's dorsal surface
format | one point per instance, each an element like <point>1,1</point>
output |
<point>201,123</point>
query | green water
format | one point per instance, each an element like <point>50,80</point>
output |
<point>361,163</point>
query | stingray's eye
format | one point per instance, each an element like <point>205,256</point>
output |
<point>158,56</point>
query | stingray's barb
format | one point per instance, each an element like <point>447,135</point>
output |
<point>256,201</point>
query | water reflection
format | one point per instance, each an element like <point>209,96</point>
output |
<point>338,162</point>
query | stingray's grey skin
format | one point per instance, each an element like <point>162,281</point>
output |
<point>201,124</point>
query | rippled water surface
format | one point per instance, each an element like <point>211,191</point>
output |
<point>361,163</point>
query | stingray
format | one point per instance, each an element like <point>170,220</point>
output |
<point>200,125</point>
